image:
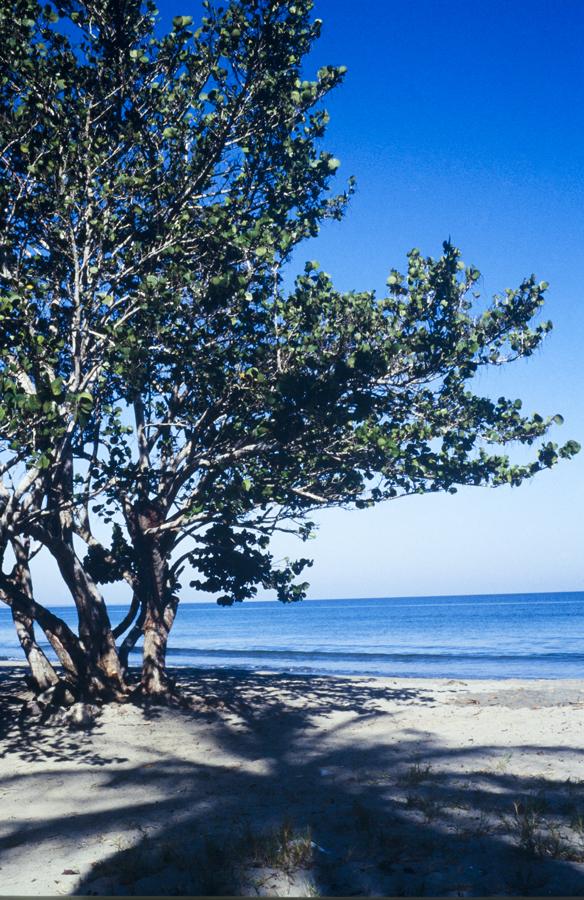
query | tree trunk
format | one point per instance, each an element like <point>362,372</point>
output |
<point>16,591</point>
<point>128,618</point>
<point>103,676</point>
<point>157,625</point>
<point>63,641</point>
<point>65,644</point>
<point>132,638</point>
<point>159,605</point>
<point>43,675</point>
<point>154,678</point>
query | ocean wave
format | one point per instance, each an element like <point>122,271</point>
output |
<point>368,657</point>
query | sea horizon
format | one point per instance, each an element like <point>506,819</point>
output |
<point>59,604</point>
<point>468,636</point>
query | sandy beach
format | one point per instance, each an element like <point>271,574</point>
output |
<point>275,784</point>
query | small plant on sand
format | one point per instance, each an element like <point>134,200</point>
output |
<point>426,805</point>
<point>483,825</point>
<point>535,835</point>
<point>526,821</point>
<point>282,847</point>
<point>577,822</point>
<point>416,773</point>
<point>502,764</point>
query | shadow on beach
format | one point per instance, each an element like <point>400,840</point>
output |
<point>281,802</point>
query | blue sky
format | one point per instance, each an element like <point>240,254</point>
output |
<point>465,120</point>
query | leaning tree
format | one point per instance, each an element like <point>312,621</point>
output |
<point>157,376</point>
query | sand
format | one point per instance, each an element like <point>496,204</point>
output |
<point>300,785</point>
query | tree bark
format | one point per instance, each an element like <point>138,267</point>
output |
<point>87,679</point>
<point>128,618</point>
<point>16,591</point>
<point>42,673</point>
<point>159,605</point>
<point>154,680</point>
<point>65,644</point>
<point>103,676</point>
<point>132,638</point>
<point>157,625</point>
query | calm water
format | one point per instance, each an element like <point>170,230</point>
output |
<point>486,636</point>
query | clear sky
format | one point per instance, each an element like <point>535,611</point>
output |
<point>464,120</point>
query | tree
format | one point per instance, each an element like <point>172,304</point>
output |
<point>156,375</point>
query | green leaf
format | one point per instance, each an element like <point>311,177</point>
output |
<point>180,22</point>
<point>85,399</point>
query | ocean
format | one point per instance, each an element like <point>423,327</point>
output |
<point>482,636</point>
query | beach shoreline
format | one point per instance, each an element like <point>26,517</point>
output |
<point>291,784</point>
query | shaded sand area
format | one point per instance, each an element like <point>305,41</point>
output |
<point>300,785</point>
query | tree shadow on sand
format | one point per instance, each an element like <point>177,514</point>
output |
<point>33,739</point>
<point>287,812</point>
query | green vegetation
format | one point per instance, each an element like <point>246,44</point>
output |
<point>156,376</point>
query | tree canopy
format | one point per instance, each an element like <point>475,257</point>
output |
<point>156,375</point>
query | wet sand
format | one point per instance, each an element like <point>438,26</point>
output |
<point>300,785</point>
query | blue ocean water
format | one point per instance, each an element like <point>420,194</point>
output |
<point>482,636</point>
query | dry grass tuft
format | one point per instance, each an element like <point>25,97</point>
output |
<point>416,774</point>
